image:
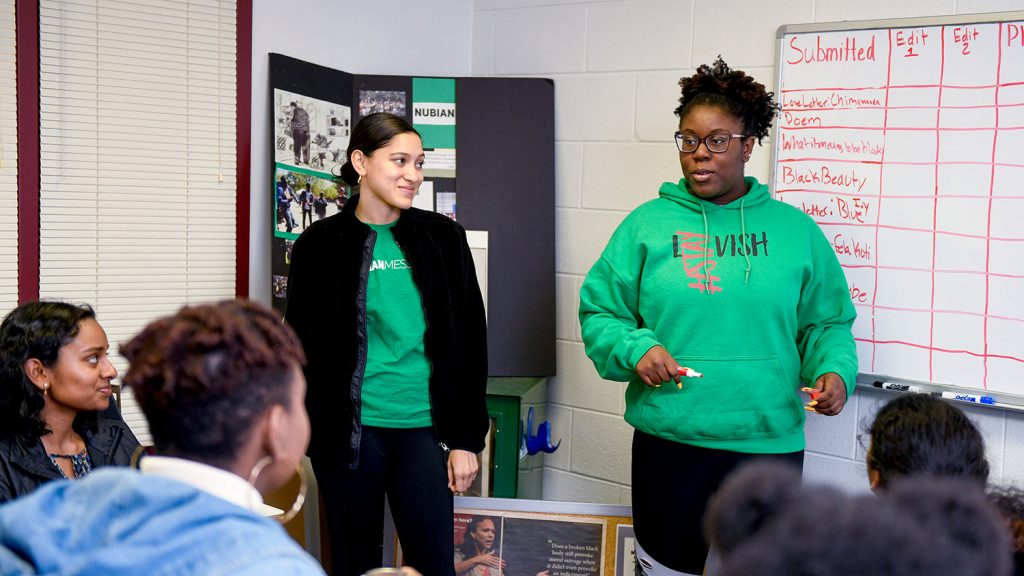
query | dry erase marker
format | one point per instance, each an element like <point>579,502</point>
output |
<point>898,386</point>
<point>688,373</point>
<point>964,397</point>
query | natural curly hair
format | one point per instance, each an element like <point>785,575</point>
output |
<point>733,90</point>
<point>204,375</point>
<point>1009,500</point>
<point>34,330</point>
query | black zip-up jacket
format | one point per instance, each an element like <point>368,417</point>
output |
<point>25,466</point>
<point>330,265</point>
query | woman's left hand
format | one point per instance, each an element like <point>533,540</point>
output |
<point>831,397</point>
<point>462,467</point>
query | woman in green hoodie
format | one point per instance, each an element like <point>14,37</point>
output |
<point>716,276</point>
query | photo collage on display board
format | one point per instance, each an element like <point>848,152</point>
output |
<point>310,141</point>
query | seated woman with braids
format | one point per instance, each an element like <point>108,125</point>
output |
<point>222,388</point>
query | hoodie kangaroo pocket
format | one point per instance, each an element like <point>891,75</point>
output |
<point>744,397</point>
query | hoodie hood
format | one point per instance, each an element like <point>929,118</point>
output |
<point>757,193</point>
<point>679,192</point>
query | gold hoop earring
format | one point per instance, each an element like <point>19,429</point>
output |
<point>137,455</point>
<point>300,498</point>
<point>359,180</point>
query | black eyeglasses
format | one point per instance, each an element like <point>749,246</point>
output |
<point>716,142</point>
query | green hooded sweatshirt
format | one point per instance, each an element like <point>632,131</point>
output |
<point>750,294</point>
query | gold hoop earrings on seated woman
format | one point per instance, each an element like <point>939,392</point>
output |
<point>300,498</point>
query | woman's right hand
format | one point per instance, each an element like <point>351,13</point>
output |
<point>489,559</point>
<point>657,367</point>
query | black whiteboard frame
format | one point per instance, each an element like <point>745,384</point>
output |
<point>1003,400</point>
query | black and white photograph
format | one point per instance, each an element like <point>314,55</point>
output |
<point>371,101</point>
<point>310,133</point>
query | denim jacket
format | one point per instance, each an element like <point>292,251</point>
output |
<point>119,521</point>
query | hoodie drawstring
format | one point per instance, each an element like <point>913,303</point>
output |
<point>743,234</point>
<point>707,237</point>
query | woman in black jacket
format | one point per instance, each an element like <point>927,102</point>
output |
<point>385,300</point>
<point>57,418</point>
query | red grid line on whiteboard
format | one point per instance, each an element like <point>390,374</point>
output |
<point>940,84</point>
<point>988,217</point>
<point>935,204</point>
<point>904,196</point>
<point>884,107</point>
<point>935,349</point>
<point>800,147</point>
<point>900,128</point>
<point>804,150</point>
<point>878,208</point>
<point>902,163</point>
<point>941,270</point>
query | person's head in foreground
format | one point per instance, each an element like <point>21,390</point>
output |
<point>222,385</point>
<point>222,388</point>
<point>923,435</point>
<point>920,526</point>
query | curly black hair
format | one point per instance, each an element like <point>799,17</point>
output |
<point>733,90</point>
<point>918,434</point>
<point>34,330</point>
<point>1009,501</point>
<point>204,375</point>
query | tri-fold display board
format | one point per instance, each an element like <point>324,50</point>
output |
<point>489,145</point>
<point>904,140</point>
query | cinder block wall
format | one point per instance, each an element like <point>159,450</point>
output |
<point>615,66</point>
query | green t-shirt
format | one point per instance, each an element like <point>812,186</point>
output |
<point>395,383</point>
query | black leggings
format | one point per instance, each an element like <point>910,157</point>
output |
<point>409,466</point>
<point>672,483</point>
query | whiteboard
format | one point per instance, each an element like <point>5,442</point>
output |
<point>904,140</point>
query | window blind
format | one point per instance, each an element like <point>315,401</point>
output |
<point>8,160</point>
<point>138,160</point>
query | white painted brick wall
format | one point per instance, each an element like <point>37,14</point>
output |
<point>616,64</point>
<point>580,236</point>
<point>601,446</point>
<point>639,35</point>
<point>545,40</point>
<point>657,96</point>
<point>568,174</point>
<point>567,299</point>
<point>594,107</point>
<point>749,24</point>
<point>623,176</point>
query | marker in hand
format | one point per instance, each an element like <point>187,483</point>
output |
<point>814,398</point>
<point>688,373</point>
